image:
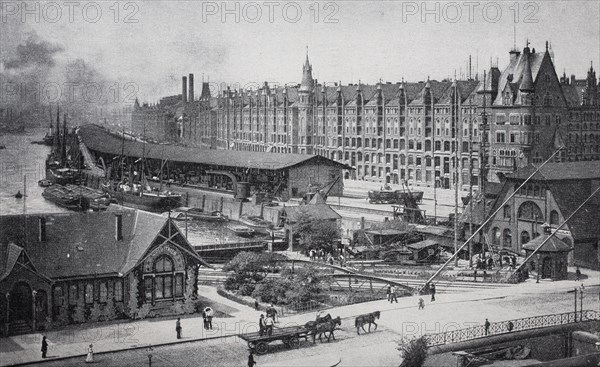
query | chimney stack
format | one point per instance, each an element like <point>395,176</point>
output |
<point>191,88</point>
<point>184,89</point>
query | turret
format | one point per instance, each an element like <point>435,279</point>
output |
<point>307,84</point>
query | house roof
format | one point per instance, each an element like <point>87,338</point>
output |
<point>581,170</point>
<point>385,232</point>
<point>9,253</point>
<point>84,244</point>
<point>554,244</point>
<point>585,223</point>
<point>316,212</point>
<point>99,139</point>
<point>422,244</point>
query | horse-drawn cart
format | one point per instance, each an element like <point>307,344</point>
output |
<point>290,336</point>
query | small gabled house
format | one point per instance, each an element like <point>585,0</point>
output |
<point>77,267</point>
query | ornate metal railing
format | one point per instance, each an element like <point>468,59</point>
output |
<point>504,327</point>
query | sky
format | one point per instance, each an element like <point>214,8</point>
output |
<point>153,43</point>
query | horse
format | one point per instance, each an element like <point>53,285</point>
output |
<point>311,324</point>
<point>369,318</point>
<point>322,328</point>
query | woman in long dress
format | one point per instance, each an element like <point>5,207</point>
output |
<point>90,355</point>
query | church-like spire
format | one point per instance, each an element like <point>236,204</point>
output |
<point>527,82</point>
<point>308,83</point>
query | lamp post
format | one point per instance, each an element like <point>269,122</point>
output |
<point>538,267</point>
<point>149,351</point>
<point>34,294</point>
<point>7,325</point>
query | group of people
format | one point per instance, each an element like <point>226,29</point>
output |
<point>329,258</point>
<point>207,316</point>
<point>89,358</point>
<point>265,325</point>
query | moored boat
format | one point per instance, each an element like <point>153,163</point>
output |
<point>44,183</point>
<point>198,213</point>
<point>63,197</point>
<point>258,224</point>
<point>138,198</point>
<point>242,231</point>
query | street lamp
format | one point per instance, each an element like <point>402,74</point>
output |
<point>34,294</point>
<point>538,267</point>
<point>149,351</point>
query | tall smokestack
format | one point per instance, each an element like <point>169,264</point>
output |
<point>191,88</point>
<point>184,89</point>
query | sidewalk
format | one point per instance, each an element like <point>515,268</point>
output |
<point>125,334</point>
<point>403,318</point>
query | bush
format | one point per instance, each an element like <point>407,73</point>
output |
<point>143,311</point>
<point>96,313</point>
<point>413,352</point>
<point>79,311</point>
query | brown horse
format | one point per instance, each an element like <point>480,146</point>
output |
<point>324,328</point>
<point>312,324</point>
<point>369,318</point>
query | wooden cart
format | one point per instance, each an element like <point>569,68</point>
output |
<point>290,336</point>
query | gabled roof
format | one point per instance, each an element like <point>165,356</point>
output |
<point>516,70</point>
<point>422,244</point>
<point>99,139</point>
<point>584,224</point>
<point>9,256</point>
<point>315,212</point>
<point>554,244</point>
<point>84,244</point>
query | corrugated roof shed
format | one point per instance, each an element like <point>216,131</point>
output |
<point>315,212</point>
<point>99,139</point>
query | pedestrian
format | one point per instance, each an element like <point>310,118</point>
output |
<point>256,305</point>
<point>209,317</point>
<point>261,325</point>
<point>251,362</point>
<point>269,325</point>
<point>421,304</point>
<point>341,260</point>
<point>388,292</point>
<point>44,347</point>
<point>475,275</point>
<point>90,355</point>
<point>178,328</point>
<point>204,320</point>
<point>393,294</point>
<point>577,274</point>
<point>273,313</point>
<point>486,326</point>
<point>510,326</point>
<point>432,290</point>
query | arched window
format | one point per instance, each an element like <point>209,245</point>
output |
<point>507,212</point>
<point>496,236</point>
<point>163,279</point>
<point>524,237</point>
<point>531,212</point>
<point>554,217</point>
<point>507,238</point>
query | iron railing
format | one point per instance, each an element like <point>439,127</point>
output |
<point>497,328</point>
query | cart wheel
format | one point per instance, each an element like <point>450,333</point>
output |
<point>294,342</point>
<point>261,347</point>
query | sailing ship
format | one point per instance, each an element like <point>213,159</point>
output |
<point>140,195</point>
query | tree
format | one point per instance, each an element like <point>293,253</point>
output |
<point>247,270</point>
<point>298,285</point>
<point>413,352</point>
<point>316,233</point>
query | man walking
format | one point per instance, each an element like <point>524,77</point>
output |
<point>393,294</point>
<point>251,362</point>
<point>209,317</point>
<point>486,326</point>
<point>577,274</point>
<point>44,347</point>
<point>178,328</point>
<point>261,325</point>
<point>269,325</point>
<point>432,290</point>
<point>388,292</point>
<point>421,304</point>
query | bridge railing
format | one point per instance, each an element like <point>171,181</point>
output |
<point>497,328</point>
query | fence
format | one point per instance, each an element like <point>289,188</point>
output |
<point>497,328</point>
